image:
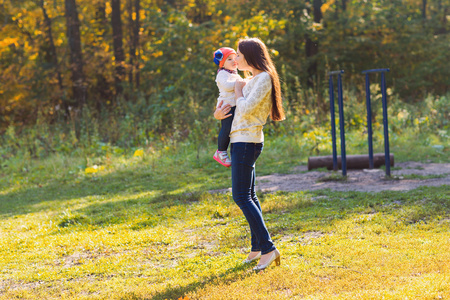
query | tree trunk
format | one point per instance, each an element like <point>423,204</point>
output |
<point>76,58</point>
<point>137,30</point>
<point>424,9</point>
<point>344,5</point>
<point>117,45</point>
<point>134,26</point>
<point>54,58</point>
<point>102,86</point>
<point>132,49</point>
<point>53,54</point>
<point>312,47</point>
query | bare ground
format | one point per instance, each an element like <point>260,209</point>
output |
<point>405,176</point>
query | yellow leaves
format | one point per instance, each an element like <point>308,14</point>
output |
<point>421,121</point>
<point>317,26</point>
<point>93,169</point>
<point>33,56</point>
<point>142,14</point>
<point>138,153</point>
<point>9,41</point>
<point>326,6</point>
<point>133,16</point>
<point>108,8</point>
<point>157,54</point>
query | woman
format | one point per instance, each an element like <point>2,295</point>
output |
<point>256,99</point>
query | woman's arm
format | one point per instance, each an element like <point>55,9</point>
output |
<point>222,111</point>
<point>262,86</point>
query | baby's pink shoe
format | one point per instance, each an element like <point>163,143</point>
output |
<point>222,158</point>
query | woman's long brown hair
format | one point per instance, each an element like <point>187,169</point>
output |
<point>257,56</point>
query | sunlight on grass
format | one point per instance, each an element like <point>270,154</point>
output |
<point>144,226</point>
<point>335,245</point>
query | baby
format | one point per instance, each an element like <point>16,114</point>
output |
<point>227,75</point>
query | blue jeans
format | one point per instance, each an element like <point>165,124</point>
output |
<point>224,135</point>
<point>243,158</point>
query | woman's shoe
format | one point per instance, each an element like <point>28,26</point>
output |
<point>247,261</point>
<point>275,257</point>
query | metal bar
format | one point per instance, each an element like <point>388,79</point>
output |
<point>333,125</point>
<point>385,124</point>
<point>375,70</point>
<point>336,72</point>
<point>369,121</point>
<point>341,127</point>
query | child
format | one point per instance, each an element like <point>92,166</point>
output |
<point>227,75</point>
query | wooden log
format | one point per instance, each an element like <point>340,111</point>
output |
<point>353,161</point>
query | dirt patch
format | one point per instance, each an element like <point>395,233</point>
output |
<point>405,176</point>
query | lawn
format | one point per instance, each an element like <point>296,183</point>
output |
<point>145,227</point>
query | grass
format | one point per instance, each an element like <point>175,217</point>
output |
<point>416,177</point>
<point>145,227</point>
<point>333,177</point>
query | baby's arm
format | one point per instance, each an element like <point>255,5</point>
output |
<point>225,81</point>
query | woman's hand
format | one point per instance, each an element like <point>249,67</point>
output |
<point>238,86</point>
<point>222,111</point>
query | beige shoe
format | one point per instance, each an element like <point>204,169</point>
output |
<point>275,257</point>
<point>247,260</point>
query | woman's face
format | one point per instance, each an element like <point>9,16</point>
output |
<point>241,62</point>
<point>230,63</point>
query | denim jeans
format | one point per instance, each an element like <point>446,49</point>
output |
<point>243,158</point>
<point>224,135</point>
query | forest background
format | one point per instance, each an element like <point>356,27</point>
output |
<point>90,74</point>
<point>107,135</point>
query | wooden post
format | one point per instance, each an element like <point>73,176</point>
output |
<point>353,161</point>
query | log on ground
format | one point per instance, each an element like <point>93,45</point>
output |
<point>353,161</point>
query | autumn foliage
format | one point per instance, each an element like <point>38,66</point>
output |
<point>58,57</point>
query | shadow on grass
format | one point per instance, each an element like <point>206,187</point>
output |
<point>239,272</point>
<point>127,183</point>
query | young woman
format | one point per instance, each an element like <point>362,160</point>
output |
<point>256,99</point>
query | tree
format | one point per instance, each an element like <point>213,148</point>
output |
<point>102,87</point>
<point>137,29</point>
<point>52,51</point>
<point>119,55</point>
<point>312,46</point>
<point>424,9</point>
<point>76,57</point>
<point>134,27</point>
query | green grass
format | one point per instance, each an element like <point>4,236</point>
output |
<point>416,177</point>
<point>146,228</point>
<point>333,177</point>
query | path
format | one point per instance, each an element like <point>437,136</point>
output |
<point>407,176</point>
